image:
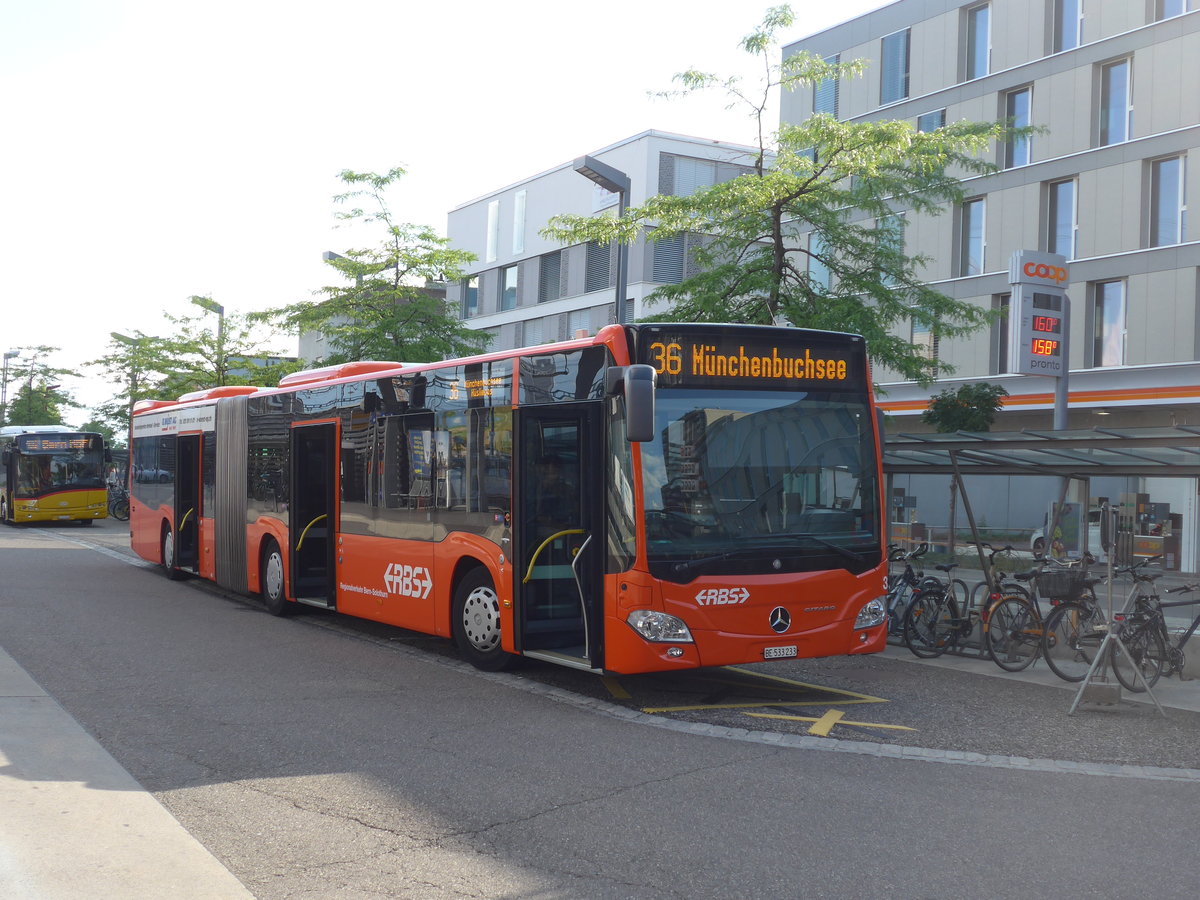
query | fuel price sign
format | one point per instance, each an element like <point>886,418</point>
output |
<point>1041,334</point>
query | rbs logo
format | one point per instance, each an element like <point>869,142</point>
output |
<point>408,581</point>
<point>1057,274</point>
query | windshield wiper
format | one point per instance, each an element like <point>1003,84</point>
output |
<point>816,539</point>
<point>689,564</point>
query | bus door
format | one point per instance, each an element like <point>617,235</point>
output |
<point>560,544</point>
<point>311,513</point>
<point>187,502</point>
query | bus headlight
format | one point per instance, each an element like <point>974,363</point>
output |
<point>659,627</point>
<point>872,614</point>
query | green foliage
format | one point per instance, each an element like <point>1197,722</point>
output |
<point>970,407</point>
<point>389,308</point>
<point>846,183</point>
<point>34,394</point>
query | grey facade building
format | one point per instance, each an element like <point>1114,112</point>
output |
<point>1106,184</point>
<point>524,289</point>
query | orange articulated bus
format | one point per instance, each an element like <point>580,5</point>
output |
<point>52,473</point>
<point>653,497</point>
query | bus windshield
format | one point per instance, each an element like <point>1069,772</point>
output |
<point>754,482</point>
<point>42,473</point>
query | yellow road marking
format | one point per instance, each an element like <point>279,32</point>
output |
<point>614,688</point>
<point>753,705</point>
<point>816,687</point>
<point>825,724</point>
<point>839,721</point>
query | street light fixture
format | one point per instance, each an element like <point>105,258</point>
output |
<point>8,354</point>
<point>47,390</point>
<point>616,182</point>
<point>212,306</point>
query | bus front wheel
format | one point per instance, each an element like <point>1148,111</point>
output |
<point>271,580</point>
<point>168,554</point>
<point>476,622</point>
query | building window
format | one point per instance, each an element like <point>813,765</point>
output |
<point>470,297</point>
<point>891,238</point>
<point>598,267</point>
<point>819,275</point>
<point>970,256</point>
<point>979,47</point>
<point>518,223</point>
<point>493,231</point>
<point>508,288</point>
<point>579,320</point>
<point>1068,24</point>
<point>825,95</point>
<point>925,341</point>
<point>1001,330</point>
<point>1108,317</point>
<point>931,121</point>
<point>668,260</point>
<point>693,174</point>
<point>533,332</point>
<point>1018,151</point>
<point>893,83</point>
<point>549,276</point>
<point>1168,203</point>
<point>1116,99</point>
<point>1168,9</point>
<point>1060,218</point>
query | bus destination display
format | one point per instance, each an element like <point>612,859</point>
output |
<point>55,444</point>
<point>737,358</point>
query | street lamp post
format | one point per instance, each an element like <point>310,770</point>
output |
<point>47,390</point>
<point>616,182</point>
<point>207,303</point>
<point>8,354</point>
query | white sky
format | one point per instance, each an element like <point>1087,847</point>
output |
<point>155,149</point>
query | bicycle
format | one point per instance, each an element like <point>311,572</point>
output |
<point>902,586</point>
<point>118,504</point>
<point>1007,584</point>
<point>935,623</point>
<point>1144,633</point>
<point>1076,626</point>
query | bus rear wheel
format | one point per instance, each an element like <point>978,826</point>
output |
<point>475,622</point>
<point>272,582</point>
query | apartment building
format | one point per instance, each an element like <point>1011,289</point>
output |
<point>1106,185</point>
<point>524,289</point>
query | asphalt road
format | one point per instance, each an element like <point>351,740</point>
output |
<point>320,757</point>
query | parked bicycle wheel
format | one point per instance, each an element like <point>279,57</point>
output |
<point>1013,634</point>
<point>929,623</point>
<point>1071,637</point>
<point>119,508</point>
<point>1144,642</point>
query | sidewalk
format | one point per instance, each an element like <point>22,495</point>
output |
<point>1171,693</point>
<point>74,824</point>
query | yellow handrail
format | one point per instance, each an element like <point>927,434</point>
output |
<point>183,521</point>
<point>542,546</point>
<point>300,543</point>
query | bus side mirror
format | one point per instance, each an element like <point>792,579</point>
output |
<point>5,456</point>
<point>107,455</point>
<point>636,383</point>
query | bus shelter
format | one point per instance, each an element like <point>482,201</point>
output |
<point>1171,452</point>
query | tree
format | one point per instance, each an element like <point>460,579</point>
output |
<point>972,407</point>
<point>387,308</point>
<point>848,185</point>
<point>39,398</point>
<point>194,357</point>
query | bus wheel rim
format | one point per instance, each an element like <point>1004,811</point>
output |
<point>274,575</point>
<point>481,619</point>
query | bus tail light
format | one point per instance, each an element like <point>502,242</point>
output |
<point>659,627</point>
<point>872,614</point>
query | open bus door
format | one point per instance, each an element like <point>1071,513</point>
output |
<point>560,563</point>
<point>187,502</point>
<point>311,513</point>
